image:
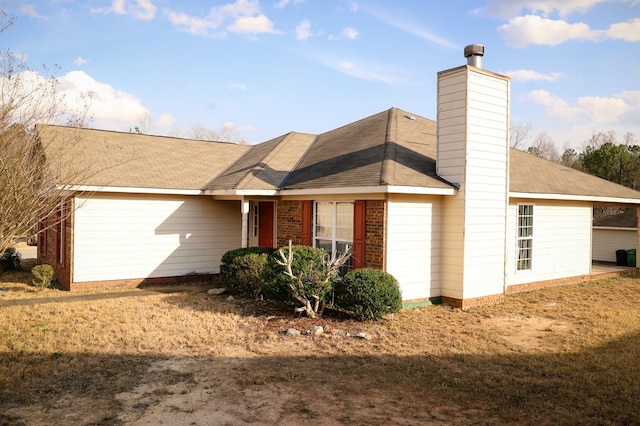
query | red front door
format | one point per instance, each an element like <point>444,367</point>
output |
<point>265,224</point>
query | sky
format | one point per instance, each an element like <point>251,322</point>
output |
<point>263,68</point>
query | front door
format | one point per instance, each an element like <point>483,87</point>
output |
<point>265,223</point>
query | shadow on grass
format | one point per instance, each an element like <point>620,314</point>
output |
<point>596,386</point>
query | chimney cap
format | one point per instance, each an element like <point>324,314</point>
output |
<point>473,50</point>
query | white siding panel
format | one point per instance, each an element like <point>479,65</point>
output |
<point>561,242</point>
<point>127,237</point>
<point>607,241</point>
<point>413,247</point>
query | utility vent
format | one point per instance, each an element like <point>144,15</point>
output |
<point>474,54</point>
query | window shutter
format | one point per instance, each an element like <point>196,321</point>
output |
<point>305,233</point>
<point>359,234</point>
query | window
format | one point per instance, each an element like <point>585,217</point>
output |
<point>333,226</point>
<point>525,237</point>
<point>256,218</point>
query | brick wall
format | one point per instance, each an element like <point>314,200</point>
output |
<point>289,222</point>
<point>49,252</point>
<point>375,219</point>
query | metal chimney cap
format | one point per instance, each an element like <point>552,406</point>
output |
<point>473,50</point>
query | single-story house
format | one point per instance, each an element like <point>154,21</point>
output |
<point>613,233</point>
<point>445,206</point>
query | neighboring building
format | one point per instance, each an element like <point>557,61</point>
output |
<point>445,207</point>
<point>612,233</point>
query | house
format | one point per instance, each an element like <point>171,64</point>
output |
<point>445,206</point>
<point>612,233</point>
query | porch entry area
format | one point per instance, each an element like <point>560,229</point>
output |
<point>262,224</point>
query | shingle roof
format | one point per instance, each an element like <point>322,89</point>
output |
<point>131,160</point>
<point>264,166</point>
<point>534,175</point>
<point>391,148</point>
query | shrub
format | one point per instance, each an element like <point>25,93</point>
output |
<point>241,270</point>
<point>43,274</point>
<point>276,284</point>
<point>10,260</point>
<point>368,294</point>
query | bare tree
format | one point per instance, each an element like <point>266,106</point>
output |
<point>30,170</point>
<point>226,133</point>
<point>519,134</point>
<point>309,287</point>
<point>543,147</point>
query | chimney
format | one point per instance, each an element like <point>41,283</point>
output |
<point>473,154</point>
<point>474,54</point>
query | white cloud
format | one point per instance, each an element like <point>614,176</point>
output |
<point>236,86</point>
<point>140,9</point>
<point>303,30</point>
<point>512,8</point>
<point>409,27</point>
<point>109,107</point>
<point>253,25</point>
<point>80,61</point>
<point>350,33</point>
<point>30,10</point>
<point>284,3</point>
<point>628,31</point>
<point>532,29</point>
<point>531,75</point>
<point>243,16</point>
<point>592,110</point>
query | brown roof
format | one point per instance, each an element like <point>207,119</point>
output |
<point>627,219</point>
<point>534,175</point>
<point>106,158</point>
<point>392,148</point>
<point>264,166</point>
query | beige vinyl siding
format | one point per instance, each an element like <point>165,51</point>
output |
<point>128,237</point>
<point>561,242</point>
<point>473,121</point>
<point>413,246</point>
<point>607,240</point>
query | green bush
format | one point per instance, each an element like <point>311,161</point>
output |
<point>368,294</point>
<point>43,274</point>
<point>306,260</point>
<point>10,260</point>
<point>241,270</point>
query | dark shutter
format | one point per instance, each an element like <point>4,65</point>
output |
<point>359,208</point>
<point>305,233</point>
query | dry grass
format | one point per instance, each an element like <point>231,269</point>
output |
<point>566,355</point>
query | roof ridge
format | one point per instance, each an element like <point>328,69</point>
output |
<point>300,160</point>
<point>264,159</point>
<point>387,166</point>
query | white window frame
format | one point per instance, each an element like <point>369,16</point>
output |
<point>334,239</point>
<point>524,234</point>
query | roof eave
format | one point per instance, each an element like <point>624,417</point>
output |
<point>388,189</point>
<point>131,190</point>
<point>570,197</point>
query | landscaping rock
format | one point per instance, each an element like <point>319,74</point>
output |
<point>216,291</point>
<point>292,332</point>
<point>365,336</point>
<point>316,330</point>
<point>230,299</point>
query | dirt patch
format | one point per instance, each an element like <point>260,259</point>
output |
<point>547,357</point>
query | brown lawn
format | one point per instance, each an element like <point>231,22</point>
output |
<point>566,355</point>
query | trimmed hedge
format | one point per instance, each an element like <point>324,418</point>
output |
<point>241,270</point>
<point>368,294</point>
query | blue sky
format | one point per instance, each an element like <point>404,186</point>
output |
<point>268,67</point>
